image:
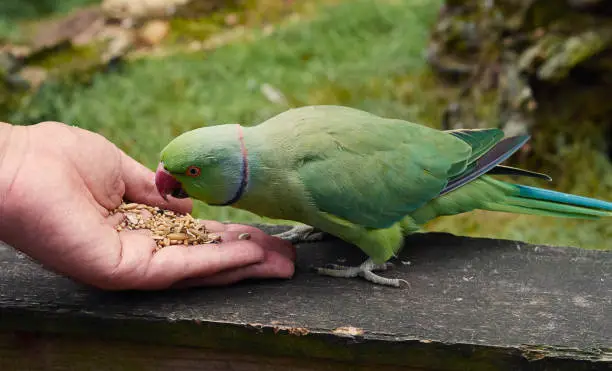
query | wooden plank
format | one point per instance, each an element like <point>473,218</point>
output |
<point>476,304</point>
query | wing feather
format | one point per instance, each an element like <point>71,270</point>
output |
<point>366,169</point>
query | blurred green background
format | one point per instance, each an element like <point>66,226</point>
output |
<point>273,55</point>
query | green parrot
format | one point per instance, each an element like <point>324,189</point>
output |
<point>366,179</point>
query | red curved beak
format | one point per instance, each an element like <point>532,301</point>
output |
<point>168,185</point>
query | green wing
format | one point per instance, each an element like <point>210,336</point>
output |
<point>481,140</point>
<point>373,171</point>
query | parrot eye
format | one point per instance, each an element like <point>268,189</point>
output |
<point>193,171</point>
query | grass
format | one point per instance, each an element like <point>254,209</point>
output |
<point>361,53</point>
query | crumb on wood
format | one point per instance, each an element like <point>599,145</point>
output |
<point>298,331</point>
<point>348,331</point>
<point>168,227</point>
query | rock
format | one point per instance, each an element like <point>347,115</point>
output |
<point>232,19</point>
<point>55,32</point>
<point>17,51</point>
<point>553,57</point>
<point>153,32</point>
<point>134,13</point>
<point>35,76</point>
<point>8,63</point>
<point>119,42</point>
<point>90,33</point>
<point>140,9</point>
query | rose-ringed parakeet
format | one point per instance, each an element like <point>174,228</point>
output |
<point>363,178</point>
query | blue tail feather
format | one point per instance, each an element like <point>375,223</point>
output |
<point>554,196</point>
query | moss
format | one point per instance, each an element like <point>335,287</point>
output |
<point>248,13</point>
<point>183,30</point>
<point>76,62</point>
<point>559,55</point>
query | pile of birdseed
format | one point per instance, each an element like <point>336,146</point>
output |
<point>168,227</point>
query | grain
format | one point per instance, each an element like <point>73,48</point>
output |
<point>167,227</point>
<point>178,236</point>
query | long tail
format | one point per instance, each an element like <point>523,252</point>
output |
<point>537,201</point>
<point>475,189</point>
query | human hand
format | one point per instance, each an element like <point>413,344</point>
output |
<point>57,185</point>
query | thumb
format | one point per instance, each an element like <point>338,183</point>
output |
<point>140,187</point>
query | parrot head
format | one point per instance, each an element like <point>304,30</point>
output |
<point>207,164</point>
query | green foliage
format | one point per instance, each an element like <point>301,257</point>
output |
<point>362,53</point>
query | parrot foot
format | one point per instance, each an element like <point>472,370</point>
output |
<point>300,233</point>
<point>365,270</point>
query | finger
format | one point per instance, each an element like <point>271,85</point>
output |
<point>263,239</point>
<point>275,266</point>
<point>140,187</point>
<point>232,232</point>
<point>266,242</point>
<point>115,219</point>
<point>279,245</point>
<point>176,263</point>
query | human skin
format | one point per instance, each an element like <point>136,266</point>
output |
<point>58,184</point>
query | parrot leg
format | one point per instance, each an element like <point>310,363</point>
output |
<point>365,270</point>
<point>301,233</point>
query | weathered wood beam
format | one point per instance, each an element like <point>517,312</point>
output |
<point>472,304</point>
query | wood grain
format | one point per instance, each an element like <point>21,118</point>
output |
<point>477,304</point>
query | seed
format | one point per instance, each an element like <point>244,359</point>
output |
<point>177,236</point>
<point>169,228</point>
<point>129,206</point>
<point>132,218</point>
